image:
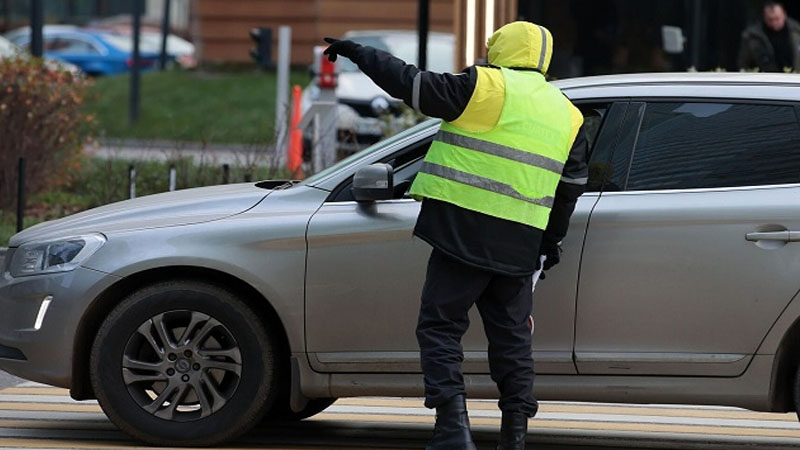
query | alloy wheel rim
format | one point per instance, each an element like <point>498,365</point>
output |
<point>181,365</point>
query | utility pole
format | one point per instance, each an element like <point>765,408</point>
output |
<point>282,90</point>
<point>37,23</point>
<point>134,91</point>
<point>20,194</point>
<point>162,60</point>
<point>72,9</point>
<point>698,29</point>
<point>423,23</point>
<point>6,14</point>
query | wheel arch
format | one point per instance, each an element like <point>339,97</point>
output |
<point>784,371</point>
<point>92,320</point>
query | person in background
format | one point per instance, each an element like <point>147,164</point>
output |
<point>499,184</point>
<point>772,45</point>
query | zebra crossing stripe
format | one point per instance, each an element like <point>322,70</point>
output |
<point>37,416</point>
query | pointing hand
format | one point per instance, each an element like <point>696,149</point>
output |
<point>338,47</point>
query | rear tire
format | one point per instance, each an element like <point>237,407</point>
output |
<point>183,363</point>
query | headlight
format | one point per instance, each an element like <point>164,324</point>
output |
<point>58,255</point>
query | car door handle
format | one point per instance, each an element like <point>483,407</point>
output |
<point>782,236</point>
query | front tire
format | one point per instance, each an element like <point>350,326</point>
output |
<point>183,363</point>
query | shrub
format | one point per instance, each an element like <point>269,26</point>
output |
<point>40,120</point>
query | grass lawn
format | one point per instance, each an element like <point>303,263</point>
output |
<point>191,106</point>
<point>8,227</point>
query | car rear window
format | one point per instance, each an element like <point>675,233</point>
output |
<point>686,145</point>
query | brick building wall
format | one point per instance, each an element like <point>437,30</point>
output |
<point>221,27</point>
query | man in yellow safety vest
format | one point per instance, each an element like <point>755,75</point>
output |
<point>498,186</point>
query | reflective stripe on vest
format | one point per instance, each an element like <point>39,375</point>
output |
<point>482,183</point>
<point>531,159</point>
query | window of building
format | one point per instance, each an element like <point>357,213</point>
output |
<point>710,145</point>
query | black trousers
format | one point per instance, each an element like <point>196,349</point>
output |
<point>504,303</point>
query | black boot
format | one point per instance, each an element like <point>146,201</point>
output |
<point>452,427</point>
<point>513,431</point>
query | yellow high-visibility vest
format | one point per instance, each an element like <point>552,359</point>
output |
<point>509,170</point>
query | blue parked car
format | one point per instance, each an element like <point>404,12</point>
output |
<point>95,52</point>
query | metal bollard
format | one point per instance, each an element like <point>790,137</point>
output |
<point>20,194</point>
<point>173,175</point>
<point>132,181</point>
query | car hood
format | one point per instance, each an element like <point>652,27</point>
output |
<point>153,211</point>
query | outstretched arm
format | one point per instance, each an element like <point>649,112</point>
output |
<point>441,95</point>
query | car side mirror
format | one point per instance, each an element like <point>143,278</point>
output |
<point>373,182</point>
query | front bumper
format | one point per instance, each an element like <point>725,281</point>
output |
<point>41,348</point>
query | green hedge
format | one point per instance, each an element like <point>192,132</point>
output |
<point>101,181</point>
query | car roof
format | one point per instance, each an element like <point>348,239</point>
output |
<point>47,27</point>
<point>741,85</point>
<point>674,78</point>
<point>25,32</point>
<point>57,30</point>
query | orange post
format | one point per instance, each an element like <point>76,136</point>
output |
<point>294,160</point>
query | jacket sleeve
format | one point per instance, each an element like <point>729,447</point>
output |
<point>441,95</point>
<point>573,183</point>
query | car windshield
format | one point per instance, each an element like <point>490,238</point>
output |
<point>366,153</point>
<point>440,51</point>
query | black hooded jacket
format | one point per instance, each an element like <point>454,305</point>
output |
<point>490,243</point>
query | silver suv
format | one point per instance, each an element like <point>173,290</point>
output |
<point>192,315</point>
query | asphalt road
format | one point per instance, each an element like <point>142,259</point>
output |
<point>38,416</point>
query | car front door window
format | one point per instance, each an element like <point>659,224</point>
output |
<point>406,164</point>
